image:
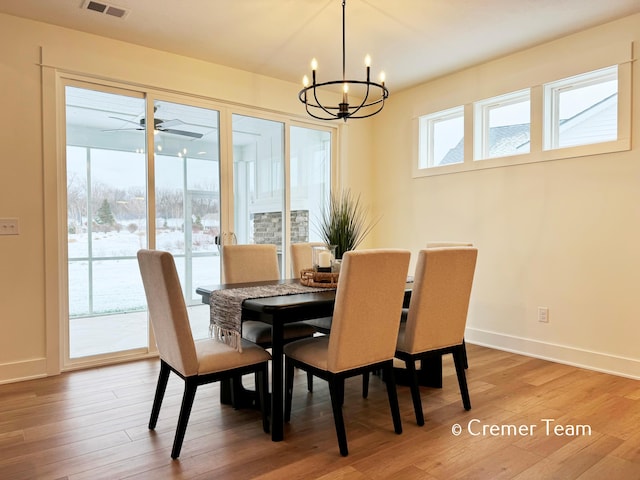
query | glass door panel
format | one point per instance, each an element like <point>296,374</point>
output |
<point>258,182</point>
<point>187,197</point>
<point>106,222</point>
<point>310,182</point>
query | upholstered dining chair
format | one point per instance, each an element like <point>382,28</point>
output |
<point>448,244</point>
<point>258,263</point>
<point>302,259</point>
<point>438,315</point>
<point>302,256</point>
<point>196,362</point>
<point>363,336</point>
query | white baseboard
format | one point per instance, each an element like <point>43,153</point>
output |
<point>601,362</point>
<point>19,371</point>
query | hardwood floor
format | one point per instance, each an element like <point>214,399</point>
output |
<point>92,424</point>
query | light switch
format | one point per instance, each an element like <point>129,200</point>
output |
<point>9,226</point>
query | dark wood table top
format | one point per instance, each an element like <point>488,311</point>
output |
<point>290,307</point>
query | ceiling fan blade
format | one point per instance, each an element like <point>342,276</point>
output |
<point>181,132</point>
<point>128,121</point>
<point>170,123</point>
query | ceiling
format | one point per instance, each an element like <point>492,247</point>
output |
<point>411,40</point>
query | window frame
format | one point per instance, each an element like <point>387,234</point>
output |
<point>481,126</point>
<point>426,143</point>
<point>552,92</point>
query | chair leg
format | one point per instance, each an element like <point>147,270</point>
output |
<point>458,360</point>
<point>336,390</point>
<point>190,387</point>
<point>163,378</point>
<point>464,352</point>
<point>393,397</point>
<point>309,382</point>
<point>415,391</point>
<point>288,383</point>
<point>262,387</point>
<point>365,384</point>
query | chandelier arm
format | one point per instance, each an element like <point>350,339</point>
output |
<point>364,102</point>
<point>318,104</point>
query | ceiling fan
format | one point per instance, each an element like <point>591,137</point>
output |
<point>159,125</point>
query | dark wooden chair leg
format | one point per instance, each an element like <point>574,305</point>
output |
<point>309,382</point>
<point>415,391</point>
<point>464,352</point>
<point>262,385</point>
<point>340,391</point>
<point>288,383</point>
<point>336,390</point>
<point>190,387</point>
<point>163,378</point>
<point>458,360</point>
<point>365,384</point>
<point>393,397</point>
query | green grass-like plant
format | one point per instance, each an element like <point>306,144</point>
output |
<point>345,222</point>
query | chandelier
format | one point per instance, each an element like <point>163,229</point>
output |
<point>372,94</point>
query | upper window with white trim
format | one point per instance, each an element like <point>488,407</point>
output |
<point>502,125</point>
<point>581,110</point>
<point>441,138</point>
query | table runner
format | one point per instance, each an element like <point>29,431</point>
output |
<point>226,308</point>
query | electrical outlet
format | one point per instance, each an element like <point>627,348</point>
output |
<point>543,314</point>
<point>9,226</point>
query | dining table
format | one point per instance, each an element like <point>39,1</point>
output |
<point>279,310</point>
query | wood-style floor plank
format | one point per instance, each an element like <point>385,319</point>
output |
<point>92,424</point>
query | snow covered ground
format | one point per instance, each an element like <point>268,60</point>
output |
<point>118,319</point>
<point>114,281</point>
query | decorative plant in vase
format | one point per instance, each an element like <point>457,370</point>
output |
<point>345,222</point>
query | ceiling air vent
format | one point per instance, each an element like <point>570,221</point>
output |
<point>105,8</point>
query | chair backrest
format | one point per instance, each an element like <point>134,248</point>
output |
<point>249,263</point>
<point>301,257</point>
<point>367,310</point>
<point>440,298</point>
<point>167,310</point>
<point>448,244</point>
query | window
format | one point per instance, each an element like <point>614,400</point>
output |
<point>441,138</point>
<point>502,125</point>
<point>581,110</point>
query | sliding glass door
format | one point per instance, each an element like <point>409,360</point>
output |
<point>144,171</point>
<point>112,181</point>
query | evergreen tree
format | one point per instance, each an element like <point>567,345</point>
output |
<point>104,215</point>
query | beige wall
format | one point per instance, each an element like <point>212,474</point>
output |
<point>562,234</point>
<point>27,160</point>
